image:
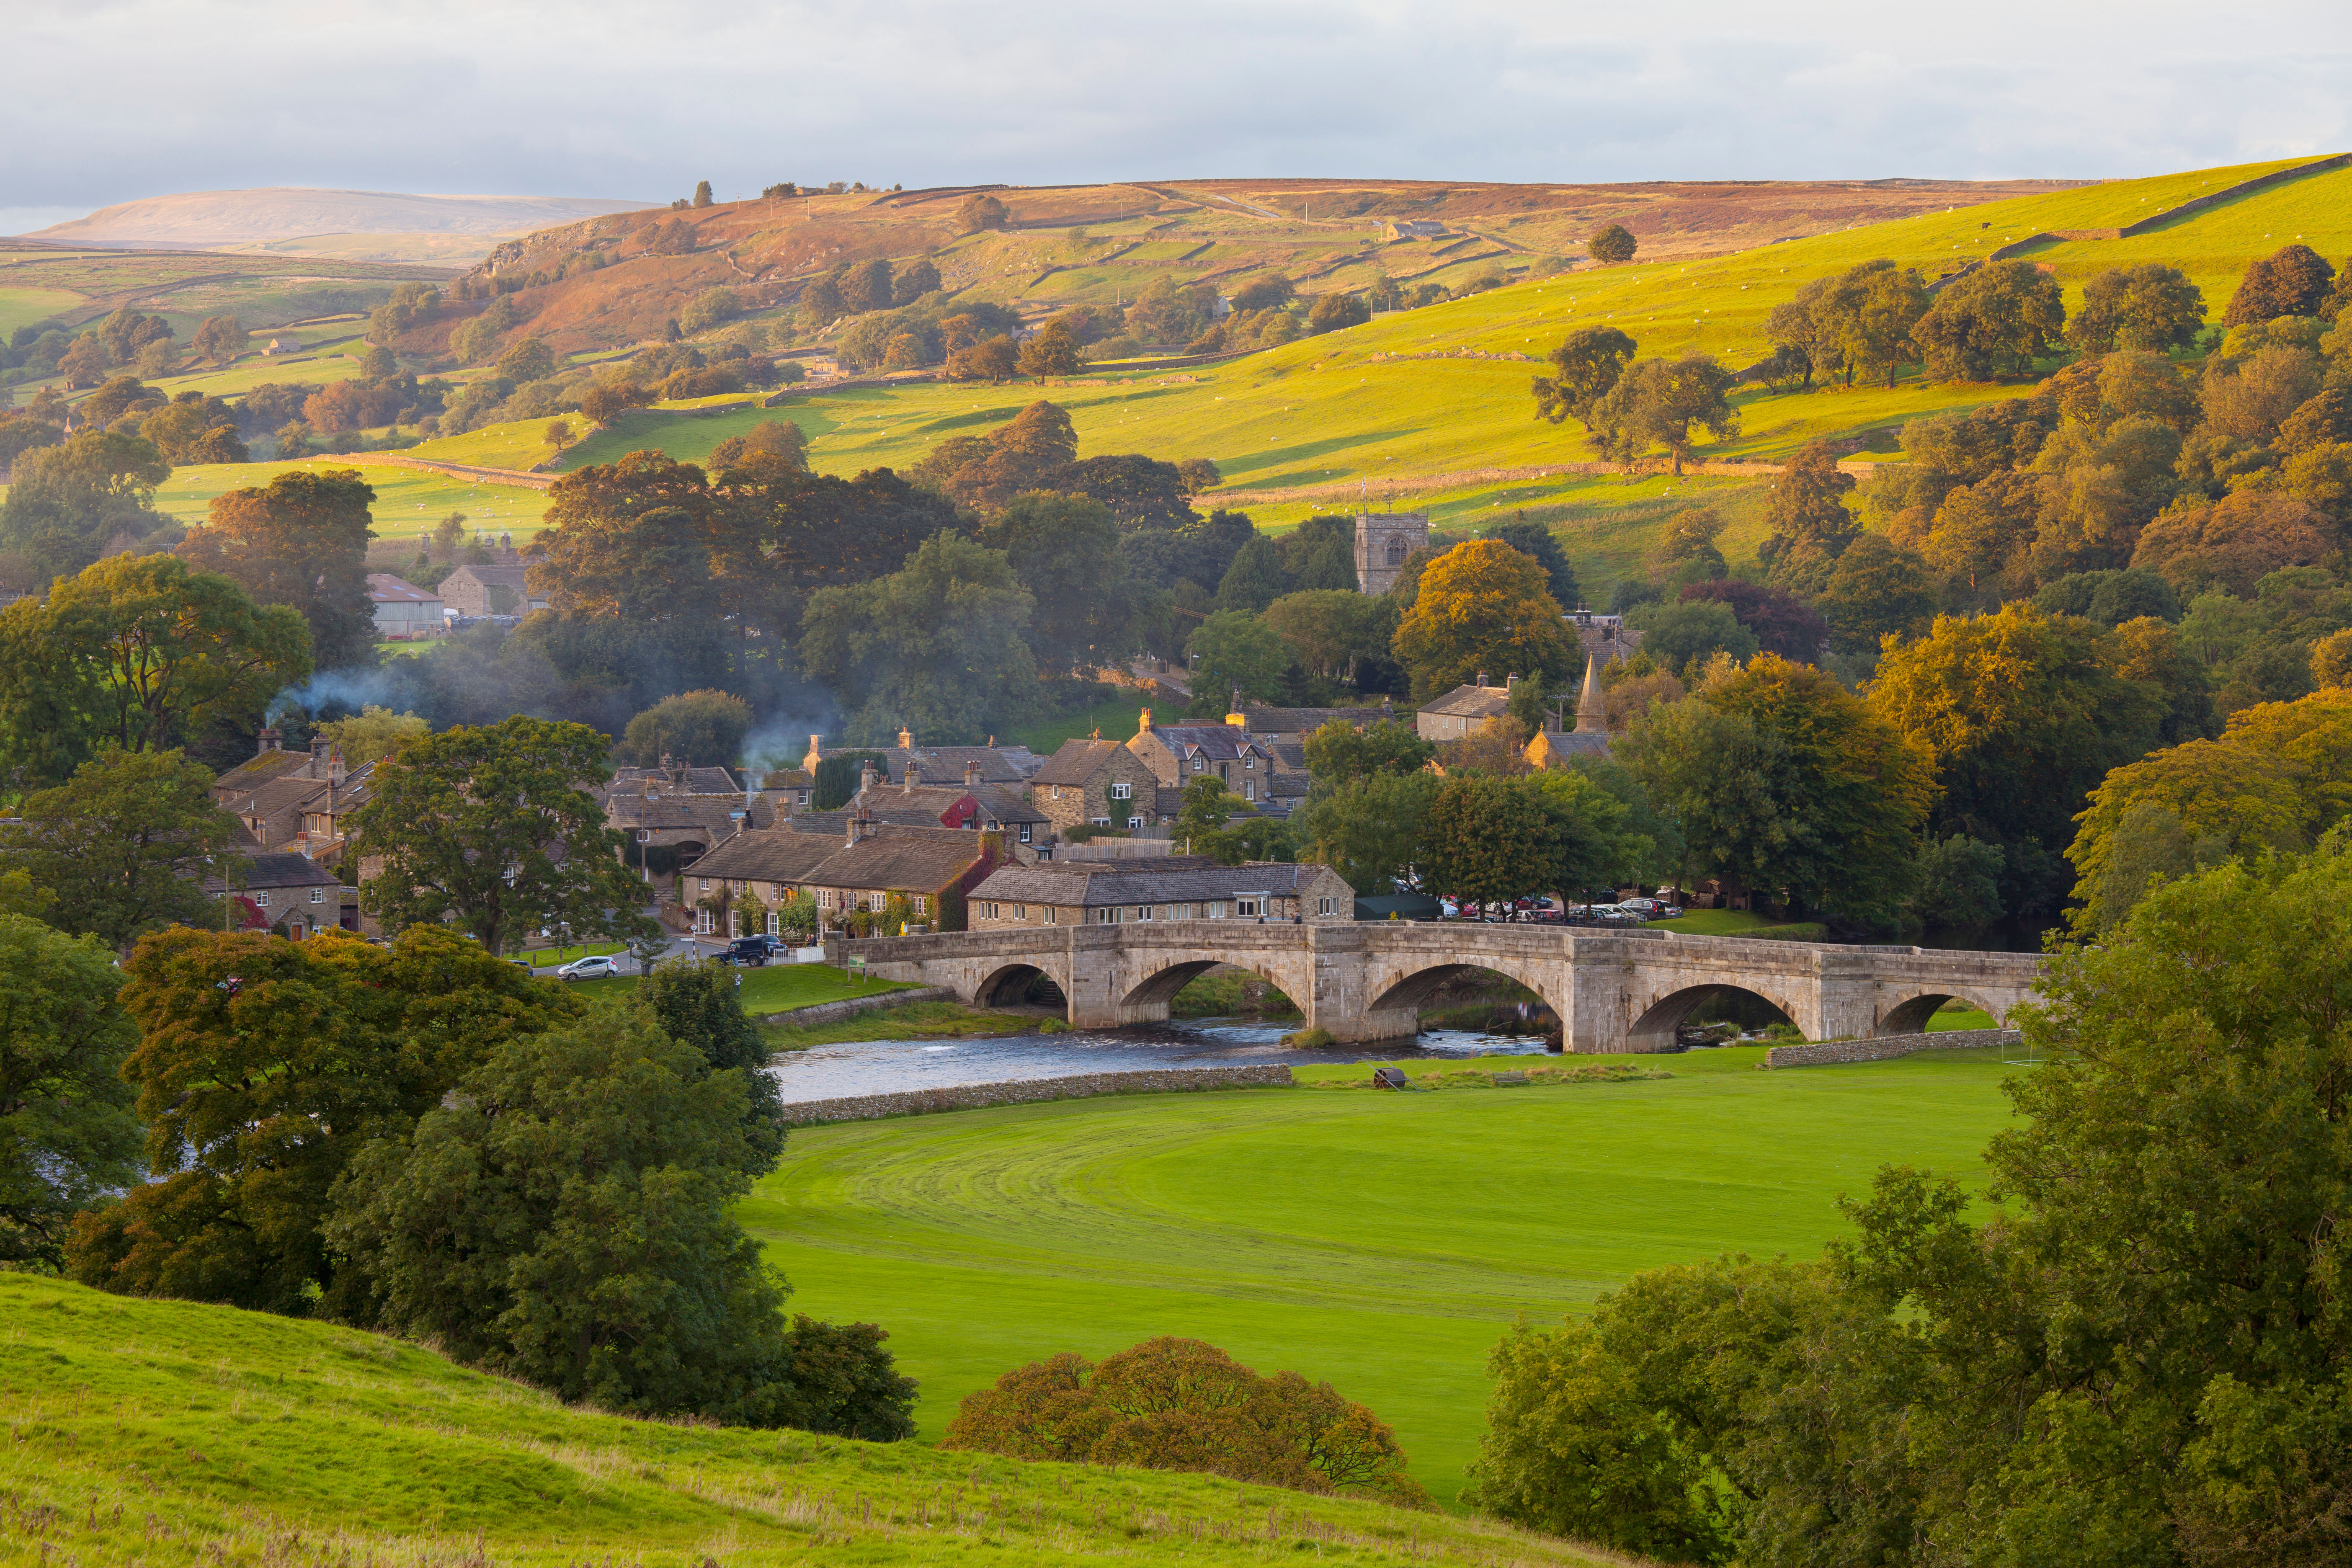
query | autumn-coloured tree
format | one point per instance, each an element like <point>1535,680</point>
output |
<point>300,541</point>
<point>1482,607</point>
<point>2293,281</point>
<point>1613,243</point>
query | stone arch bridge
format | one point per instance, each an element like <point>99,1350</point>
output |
<point>1614,990</point>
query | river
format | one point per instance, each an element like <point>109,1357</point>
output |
<point>889,1067</point>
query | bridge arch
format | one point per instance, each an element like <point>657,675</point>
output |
<point>1012,983</point>
<point>1407,989</point>
<point>1910,1016</point>
<point>1158,987</point>
<point>1654,1028</point>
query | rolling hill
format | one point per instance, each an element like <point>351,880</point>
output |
<point>377,225</point>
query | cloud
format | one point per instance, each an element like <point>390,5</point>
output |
<point>606,96</point>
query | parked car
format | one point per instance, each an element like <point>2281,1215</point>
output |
<point>592,968</point>
<point>750,951</point>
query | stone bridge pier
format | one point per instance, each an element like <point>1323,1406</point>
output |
<point>1613,991</point>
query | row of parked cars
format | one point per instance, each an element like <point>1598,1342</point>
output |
<point>1550,912</point>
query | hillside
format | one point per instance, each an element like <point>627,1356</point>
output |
<point>297,220</point>
<point>1100,244</point>
<point>175,1434</point>
<point>77,287</point>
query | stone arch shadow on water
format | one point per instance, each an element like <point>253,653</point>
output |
<point>1019,983</point>
<point>1160,988</point>
<point>1412,992</point>
<point>1655,1029</point>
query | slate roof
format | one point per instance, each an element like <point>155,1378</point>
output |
<point>1306,721</point>
<point>1470,702</point>
<point>698,781</point>
<point>673,812</point>
<point>901,859</point>
<point>273,870</point>
<point>1218,743</point>
<point>1076,762</point>
<point>383,588</point>
<point>259,769</point>
<point>1176,878</point>
<point>769,855</point>
<point>945,764</point>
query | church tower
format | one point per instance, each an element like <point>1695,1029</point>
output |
<point>1384,540</point>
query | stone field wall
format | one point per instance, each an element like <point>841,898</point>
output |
<point>1878,1050</point>
<point>970,1096</point>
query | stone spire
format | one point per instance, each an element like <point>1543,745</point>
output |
<point>1592,711</point>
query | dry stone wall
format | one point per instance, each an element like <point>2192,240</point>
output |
<point>970,1096</point>
<point>834,1012</point>
<point>1878,1050</point>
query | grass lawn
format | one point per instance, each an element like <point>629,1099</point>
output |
<point>1740,922</point>
<point>520,444</point>
<point>771,988</point>
<point>1116,717</point>
<point>1378,1241</point>
<point>178,1435</point>
<point>23,307</point>
<point>407,500</point>
<point>546,955</point>
<point>908,1021</point>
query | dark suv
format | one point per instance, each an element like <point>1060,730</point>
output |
<point>750,950</point>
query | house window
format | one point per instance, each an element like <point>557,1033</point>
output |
<point>1248,763</point>
<point>775,928</point>
<point>1057,791</point>
<point>702,921</point>
<point>922,903</point>
<point>1121,792</point>
<point>318,895</point>
<point>1053,915</point>
<point>1249,790</point>
<point>825,897</point>
<point>988,911</point>
<point>1019,911</point>
<point>261,898</point>
<point>1024,833</point>
<point>702,884</point>
<point>1324,907</point>
<point>1143,911</point>
<point>1135,821</point>
<point>1199,762</point>
<point>1245,907</point>
<point>1217,911</point>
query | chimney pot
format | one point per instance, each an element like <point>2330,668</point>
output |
<point>1481,678</point>
<point>269,739</point>
<point>970,775</point>
<point>1144,721</point>
<point>914,774</point>
<point>319,749</point>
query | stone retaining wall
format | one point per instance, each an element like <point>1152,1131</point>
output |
<point>834,1012</point>
<point>968,1097</point>
<point>1878,1050</point>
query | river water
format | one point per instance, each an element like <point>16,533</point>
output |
<point>890,1066</point>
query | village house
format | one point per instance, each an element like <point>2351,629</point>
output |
<point>1167,888</point>
<point>1463,712</point>
<point>1095,781</point>
<point>972,805</point>
<point>1553,746</point>
<point>404,612</point>
<point>1291,726</point>
<point>1010,766</point>
<point>471,591</point>
<point>1178,753</point>
<point>293,893</point>
<point>296,801</point>
<point>858,871</point>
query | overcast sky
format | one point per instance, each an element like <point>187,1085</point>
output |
<point>112,99</point>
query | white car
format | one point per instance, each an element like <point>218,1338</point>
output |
<point>594,968</point>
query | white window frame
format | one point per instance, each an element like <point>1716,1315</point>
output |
<point>1143,911</point>
<point>1053,915</point>
<point>1199,761</point>
<point>922,903</point>
<point>318,895</point>
<point>1024,833</point>
<point>1324,907</point>
<point>261,897</point>
<point>1019,911</point>
<point>1216,908</point>
<point>1122,792</point>
<point>775,925</point>
<point>1136,822</point>
<point>1249,789</point>
<point>1243,909</point>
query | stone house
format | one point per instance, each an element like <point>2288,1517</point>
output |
<point>931,867</point>
<point>473,590</point>
<point>1178,753</point>
<point>294,801</point>
<point>1169,887</point>
<point>294,893</point>
<point>1095,781</point>
<point>1291,726</point>
<point>403,611</point>
<point>1010,766</point>
<point>972,805</point>
<point>1463,712</point>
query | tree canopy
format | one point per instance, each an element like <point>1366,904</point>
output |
<point>1482,607</point>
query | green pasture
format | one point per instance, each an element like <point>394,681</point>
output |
<point>1116,717</point>
<point>1378,1241</point>
<point>771,988</point>
<point>407,500</point>
<point>23,307</point>
<point>178,1435</point>
<point>519,444</point>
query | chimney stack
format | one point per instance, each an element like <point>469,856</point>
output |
<point>319,749</point>
<point>905,738</point>
<point>815,753</point>
<point>970,775</point>
<point>866,777</point>
<point>1481,678</point>
<point>914,778</point>
<point>1143,723</point>
<point>269,739</point>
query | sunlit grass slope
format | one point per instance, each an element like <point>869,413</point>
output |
<point>407,500</point>
<point>167,1434</point>
<point>1379,1241</point>
<point>1362,405</point>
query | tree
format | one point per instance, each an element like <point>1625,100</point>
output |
<point>66,1135</point>
<point>1777,775</point>
<point>1878,589</point>
<point>122,846</point>
<point>1234,650</point>
<point>1955,893</point>
<point>1808,516</point>
<point>262,1066</point>
<point>1482,607</point>
<point>1334,631</point>
<point>1207,806</point>
<point>705,724</point>
<point>1339,752</point>
<point>85,363</point>
<point>1256,577</point>
<point>914,280</point>
<point>1656,403</point>
<point>373,734</point>
<point>1494,839</point>
<point>1540,545</point>
<point>2234,542</point>
<point>141,652</point>
<point>1993,321</point>
<point>1586,367</point>
<point>994,358</point>
<point>1331,312</point>
<point>2293,281</point>
<point>941,645</point>
<point>2148,307</point>
<point>1065,550</point>
<point>301,542</point>
<point>1874,316</point>
<point>1685,636</point>
<point>1781,622</point>
<point>778,438</point>
<point>702,193</point>
<point>711,308</point>
<point>1053,352</point>
<point>1610,244</point>
<point>1198,475</point>
<point>70,501</point>
<point>1183,1404</point>
<point>980,211</point>
<point>700,1005</point>
<point>2021,715</point>
<point>489,829</point>
<point>220,340</point>
<point>529,359</point>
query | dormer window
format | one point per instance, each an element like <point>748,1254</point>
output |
<point>1199,761</point>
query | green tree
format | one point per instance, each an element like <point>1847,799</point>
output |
<point>1955,894</point>
<point>1809,519</point>
<point>702,193</point>
<point>141,652</point>
<point>709,725</point>
<point>1482,607</point>
<point>123,845</point>
<point>700,1005</point>
<point>1234,650</point>
<point>1539,544</point>
<point>1368,827</point>
<point>565,1219</point>
<point>1586,367</point>
<point>1688,632</point>
<point>1610,244</point>
<point>1053,352</point>
<point>1341,753</point>
<point>1065,550</point>
<point>66,1135</point>
<point>1496,839</point>
<point>914,280</point>
<point>262,1067</point>
<point>491,829</point>
<point>1658,403</point>
<point>372,735</point>
<point>1336,310</point>
<point>528,360</point>
<point>711,308</point>
<point>220,340</point>
<point>72,500</point>
<point>1993,321</point>
<point>1878,589</point>
<point>939,645</point>
<point>1257,578</point>
<point>980,211</point>
<point>1332,632</point>
<point>2293,281</point>
<point>1873,314</point>
<point>2148,307</point>
<point>85,361</point>
<point>299,540</point>
<point>1208,806</point>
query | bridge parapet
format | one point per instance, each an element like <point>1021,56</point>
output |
<point>1613,991</point>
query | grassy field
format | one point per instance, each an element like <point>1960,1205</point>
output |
<point>407,500</point>
<point>771,988</point>
<point>1378,1241</point>
<point>908,1021</point>
<point>168,1435</point>
<point>1116,717</point>
<point>23,307</point>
